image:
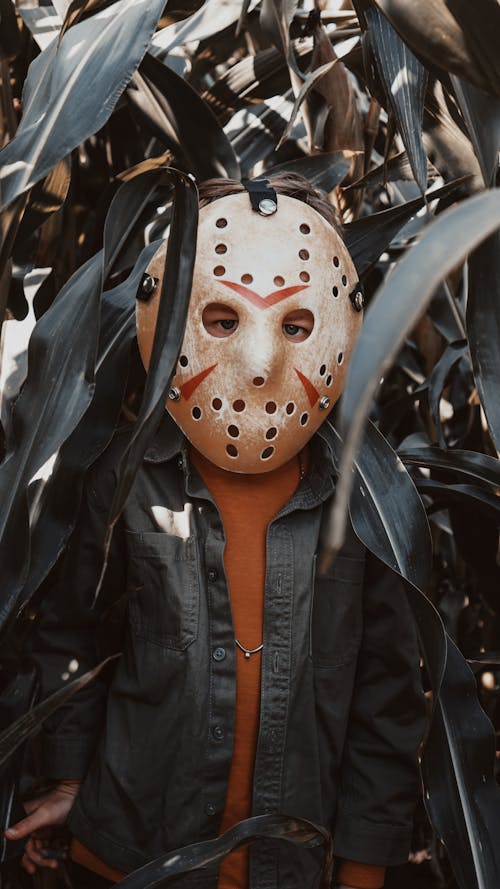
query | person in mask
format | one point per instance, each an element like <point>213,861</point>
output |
<point>249,682</point>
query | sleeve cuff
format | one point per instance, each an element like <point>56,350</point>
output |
<point>361,876</point>
<point>383,845</point>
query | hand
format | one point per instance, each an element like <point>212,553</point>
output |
<point>44,813</point>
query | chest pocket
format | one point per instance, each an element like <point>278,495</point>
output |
<point>163,589</point>
<point>337,612</point>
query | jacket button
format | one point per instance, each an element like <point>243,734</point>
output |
<point>212,575</point>
<point>210,809</point>
<point>218,732</point>
<point>219,654</point>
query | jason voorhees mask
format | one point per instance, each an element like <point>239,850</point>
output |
<point>273,317</point>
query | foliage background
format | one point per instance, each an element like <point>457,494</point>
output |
<point>107,111</point>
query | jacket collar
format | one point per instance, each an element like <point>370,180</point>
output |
<point>168,442</point>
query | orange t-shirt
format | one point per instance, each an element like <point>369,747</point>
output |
<point>247,504</point>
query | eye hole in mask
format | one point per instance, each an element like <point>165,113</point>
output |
<point>298,325</point>
<point>220,320</point>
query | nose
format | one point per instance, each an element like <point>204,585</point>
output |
<point>262,356</point>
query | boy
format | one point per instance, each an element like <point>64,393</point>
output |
<point>248,683</point>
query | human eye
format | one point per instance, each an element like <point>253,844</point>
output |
<point>297,325</point>
<point>293,330</point>
<point>227,323</point>
<point>220,320</point>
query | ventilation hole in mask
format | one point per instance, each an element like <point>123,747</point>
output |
<point>197,413</point>
<point>221,223</point>
<point>221,248</point>
<point>335,291</point>
<point>304,276</point>
<point>239,405</point>
<point>267,452</point>
<point>322,370</point>
<point>328,380</point>
<point>258,381</point>
<point>304,418</point>
<point>246,279</point>
<point>290,408</point>
<point>305,228</point>
<point>233,431</point>
<point>279,281</point>
<point>219,270</point>
<point>304,254</point>
<point>270,407</point>
<point>216,404</point>
<point>336,261</point>
<point>232,451</point>
<point>271,433</point>
<point>344,280</point>
<point>183,361</point>
<point>340,358</point>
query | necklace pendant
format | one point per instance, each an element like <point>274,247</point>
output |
<point>247,652</point>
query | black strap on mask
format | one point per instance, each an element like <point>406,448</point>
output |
<point>263,198</point>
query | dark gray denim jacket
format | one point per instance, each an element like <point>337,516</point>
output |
<point>341,704</point>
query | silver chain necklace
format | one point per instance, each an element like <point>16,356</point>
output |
<point>247,652</point>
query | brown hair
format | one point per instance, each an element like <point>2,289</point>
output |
<point>291,184</point>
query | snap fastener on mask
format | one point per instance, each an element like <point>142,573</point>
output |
<point>357,299</point>
<point>324,403</point>
<point>267,207</point>
<point>174,394</point>
<point>147,287</point>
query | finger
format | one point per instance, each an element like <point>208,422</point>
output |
<point>23,828</point>
<point>37,857</point>
<point>28,865</point>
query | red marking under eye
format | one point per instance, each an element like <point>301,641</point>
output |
<point>311,391</point>
<point>264,302</point>
<point>191,385</point>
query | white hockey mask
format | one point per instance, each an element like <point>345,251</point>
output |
<point>273,316</point>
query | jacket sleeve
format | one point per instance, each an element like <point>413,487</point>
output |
<point>380,772</point>
<point>74,632</point>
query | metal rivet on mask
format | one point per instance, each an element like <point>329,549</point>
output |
<point>147,288</point>
<point>324,403</point>
<point>356,297</point>
<point>267,207</point>
<point>358,301</point>
<point>174,394</point>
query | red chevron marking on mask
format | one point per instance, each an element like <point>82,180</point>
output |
<point>191,385</point>
<point>311,391</point>
<point>264,302</point>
